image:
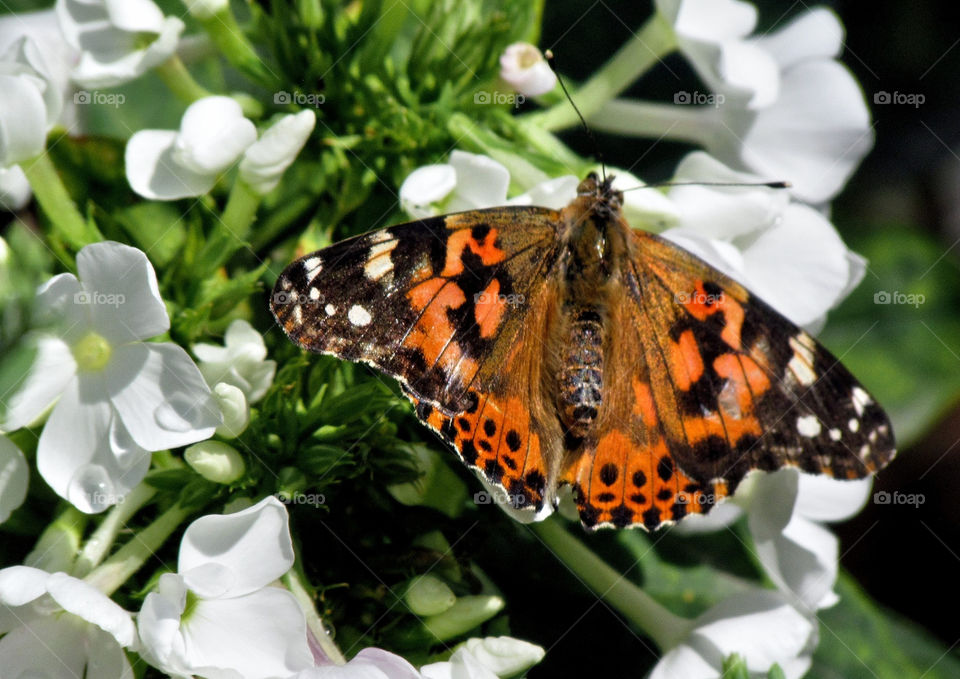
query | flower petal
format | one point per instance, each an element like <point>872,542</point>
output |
<point>135,16</point>
<point>709,20</point>
<point>749,68</point>
<point>815,34</point>
<point>89,603</point>
<point>153,173</point>
<point>505,656</point>
<point>19,585</point>
<point>50,369</point>
<point>481,182</point>
<point>15,190</point>
<point>523,67</point>
<point>160,395</point>
<point>267,159</point>
<point>462,665</point>
<point>802,561</point>
<point>213,135</point>
<point>49,647</point>
<point>821,498</point>
<point>257,636</point>
<point>424,186</point>
<point>554,193</point>
<point>14,477</point>
<point>253,544</point>
<point>122,292</point>
<point>23,115</point>
<point>814,135</point>
<point>799,266</point>
<point>159,625</point>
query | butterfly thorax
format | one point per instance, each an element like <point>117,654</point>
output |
<point>594,241</point>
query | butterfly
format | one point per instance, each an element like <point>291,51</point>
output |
<point>562,348</point>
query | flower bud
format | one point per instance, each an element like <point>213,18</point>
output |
<point>215,461</point>
<point>233,405</point>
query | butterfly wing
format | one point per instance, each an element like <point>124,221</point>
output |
<point>720,384</point>
<point>455,308</point>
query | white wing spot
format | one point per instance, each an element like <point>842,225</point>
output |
<point>312,267</point>
<point>808,425</point>
<point>801,365</point>
<point>381,236</point>
<point>860,400</point>
<point>314,294</point>
<point>854,425</point>
<point>359,316</point>
<point>836,434</point>
<point>379,262</point>
<point>297,314</point>
<point>330,309</point>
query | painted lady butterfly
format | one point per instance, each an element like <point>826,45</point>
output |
<point>554,348</point>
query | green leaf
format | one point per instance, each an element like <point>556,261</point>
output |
<point>859,639</point>
<point>899,332</point>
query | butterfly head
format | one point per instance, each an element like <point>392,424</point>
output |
<point>601,197</point>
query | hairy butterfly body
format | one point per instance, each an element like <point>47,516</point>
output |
<point>553,348</point>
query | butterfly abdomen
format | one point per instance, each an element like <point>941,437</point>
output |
<point>580,377</point>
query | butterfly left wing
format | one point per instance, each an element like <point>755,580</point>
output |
<point>455,308</point>
<point>710,383</point>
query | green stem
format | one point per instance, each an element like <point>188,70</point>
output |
<point>98,544</point>
<point>142,546</point>
<point>176,77</point>
<point>693,124</point>
<point>226,33</point>
<point>233,228</point>
<point>57,204</point>
<point>295,583</point>
<point>665,628</point>
<point>654,40</point>
<point>59,542</point>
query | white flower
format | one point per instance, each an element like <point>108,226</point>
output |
<point>54,625</point>
<point>217,616</point>
<point>30,105</point>
<point>370,663</point>
<point>119,397</point>
<point>206,9</point>
<point>523,67</point>
<point>215,461</point>
<point>785,512</point>
<point>167,164</point>
<point>265,161</point>
<point>242,361</point>
<point>13,477</point>
<point>505,656</point>
<point>787,253</point>
<point>233,407</point>
<point>118,40</point>
<point>758,625</point>
<point>471,181</point>
<point>462,665</point>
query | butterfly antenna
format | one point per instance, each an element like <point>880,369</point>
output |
<point>769,185</point>
<point>552,61</point>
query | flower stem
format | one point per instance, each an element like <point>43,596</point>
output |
<point>128,559</point>
<point>176,77</point>
<point>665,628</point>
<point>59,542</point>
<point>694,124</point>
<point>57,204</point>
<point>98,544</point>
<point>295,583</point>
<point>654,40</point>
<point>233,228</point>
<point>227,34</point>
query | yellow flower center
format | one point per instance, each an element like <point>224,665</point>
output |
<point>92,352</point>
